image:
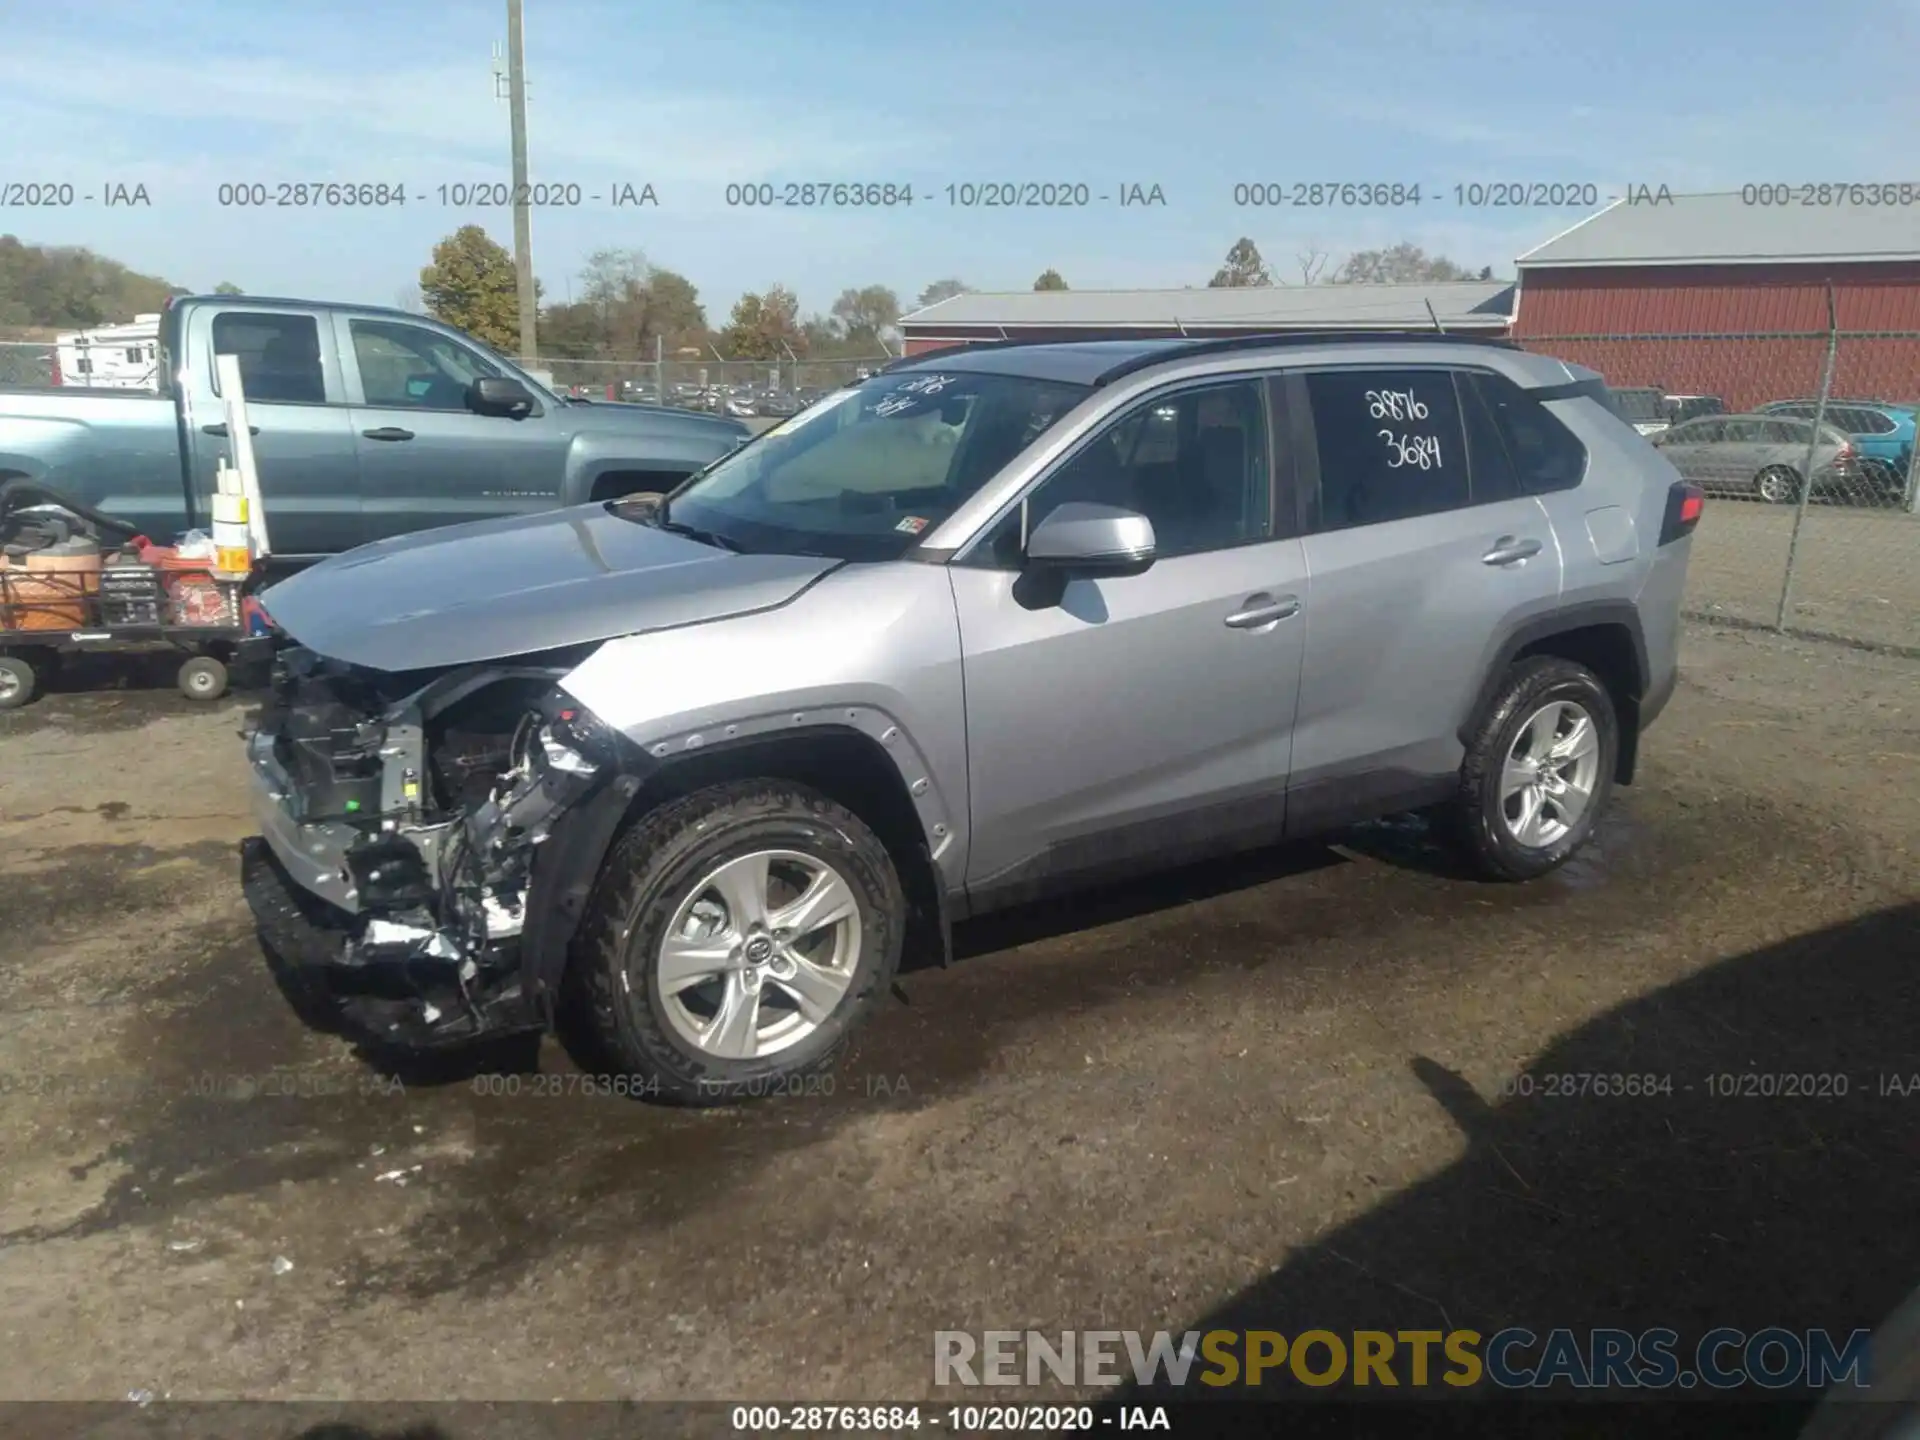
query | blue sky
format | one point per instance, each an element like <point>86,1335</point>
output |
<point>693,96</point>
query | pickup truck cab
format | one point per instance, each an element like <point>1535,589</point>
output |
<point>367,423</point>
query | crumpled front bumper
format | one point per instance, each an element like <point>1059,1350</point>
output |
<point>314,856</point>
<point>396,923</point>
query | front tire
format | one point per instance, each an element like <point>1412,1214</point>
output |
<point>18,683</point>
<point>736,940</point>
<point>1538,773</point>
<point>1778,485</point>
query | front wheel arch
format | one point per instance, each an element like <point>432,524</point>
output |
<point>846,765</point>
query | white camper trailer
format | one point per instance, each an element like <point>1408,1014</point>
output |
<point>115,357</point>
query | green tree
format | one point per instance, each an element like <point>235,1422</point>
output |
<point>1243,267</point>
<point>626,306</point>
<point>1402,264</point>
<point>942,290</point>
<point>1050,279</point>
<point>227,287</point>
<point>470,285</point>
<point>864,315</point>
<point>58,287</point>
<point>764,326</point>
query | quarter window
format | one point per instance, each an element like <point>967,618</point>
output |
<point>1390,445</point>
<point>1544,454</point>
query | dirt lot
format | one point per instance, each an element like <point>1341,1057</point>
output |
<point>1268,1093</point>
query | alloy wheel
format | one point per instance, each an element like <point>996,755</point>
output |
<point>1547,782</point>
<point>759,954</point>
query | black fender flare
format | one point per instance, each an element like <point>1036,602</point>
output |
<point>566,867</point>
<point>1584,615</point>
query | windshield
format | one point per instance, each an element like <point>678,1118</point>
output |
<point>867,471</point>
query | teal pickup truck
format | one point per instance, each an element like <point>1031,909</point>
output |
<point>367,423</point>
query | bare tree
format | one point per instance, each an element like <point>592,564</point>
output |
<point>1312,260</point>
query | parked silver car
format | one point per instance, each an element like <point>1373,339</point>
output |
<point>1759,456</point>
<point>989,625</point>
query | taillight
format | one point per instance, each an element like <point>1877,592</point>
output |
<point>1685,504</point>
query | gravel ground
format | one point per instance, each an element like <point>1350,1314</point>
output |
<point>1272,1093</point>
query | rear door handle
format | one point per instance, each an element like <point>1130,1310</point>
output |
<point>1507,551</point>
<point>388,432</point>
<point>221,429</point>
<point>1263,609</point>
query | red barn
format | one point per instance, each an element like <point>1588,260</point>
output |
<point>1726,294</point>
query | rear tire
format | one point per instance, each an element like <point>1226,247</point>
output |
<point>1538,772</point>
<point>677,898</point>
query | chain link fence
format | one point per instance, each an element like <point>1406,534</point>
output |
<point>763,386</point>
<point>1804,444</point>
<point>26,362</point>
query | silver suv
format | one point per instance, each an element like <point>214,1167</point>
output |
<point>688,774</point>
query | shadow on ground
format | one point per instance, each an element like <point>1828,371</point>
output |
<point>1706,1206</point>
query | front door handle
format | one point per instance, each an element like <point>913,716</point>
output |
<point>1508,551</point>
<point>221,429</point>
<point>1263,609</point>
<point>388,432</point>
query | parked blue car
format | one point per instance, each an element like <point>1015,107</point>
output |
<point>1883,433</point>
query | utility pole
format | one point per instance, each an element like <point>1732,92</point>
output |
<point>522,211</point>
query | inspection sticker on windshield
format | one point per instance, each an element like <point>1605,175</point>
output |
<point>912,525</point>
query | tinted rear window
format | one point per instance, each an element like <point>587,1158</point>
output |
<point>1390,445</point>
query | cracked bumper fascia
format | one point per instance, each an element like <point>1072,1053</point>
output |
<point>473,927</point>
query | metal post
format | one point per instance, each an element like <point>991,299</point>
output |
<point>1806,467</point>
<point>522,211</point>
<point>659,369</point>
<point>1913,479</point>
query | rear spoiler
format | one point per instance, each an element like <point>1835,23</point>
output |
<point>1594,389</point>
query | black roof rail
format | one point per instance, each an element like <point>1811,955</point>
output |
<point>1164,349</point>
<point>1226,345</point>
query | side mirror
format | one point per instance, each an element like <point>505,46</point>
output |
<point>1083,541</point>
<point>499,395</point>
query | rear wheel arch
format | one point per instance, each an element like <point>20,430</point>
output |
<point>1604,636</point>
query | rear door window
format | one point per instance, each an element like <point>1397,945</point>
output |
<point>279,355</point>
<point>1390,445</point>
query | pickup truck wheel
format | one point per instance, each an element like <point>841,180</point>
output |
<point>17,682</point>
<point>1538,773</point>
<point>736,940</point>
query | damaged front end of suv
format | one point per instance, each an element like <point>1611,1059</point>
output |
<point>403,876</point>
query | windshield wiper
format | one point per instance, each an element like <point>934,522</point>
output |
<point>694,532</point>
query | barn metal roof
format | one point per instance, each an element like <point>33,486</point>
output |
<point>1466,304</point>
<point>1723,229</point>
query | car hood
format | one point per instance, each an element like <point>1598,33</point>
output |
<point>493,589</point>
